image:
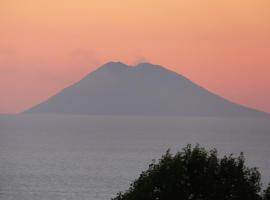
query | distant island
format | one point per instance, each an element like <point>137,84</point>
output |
<point>145,89</point>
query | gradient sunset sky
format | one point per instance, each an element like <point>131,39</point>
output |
<point>45,45</point>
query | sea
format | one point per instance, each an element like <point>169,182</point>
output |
<point>72,157</point>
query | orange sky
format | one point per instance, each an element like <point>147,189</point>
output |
<point>46,45</point>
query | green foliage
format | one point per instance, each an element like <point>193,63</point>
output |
<point>196,174</point>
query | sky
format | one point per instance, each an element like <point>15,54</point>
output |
<point>46,45</point>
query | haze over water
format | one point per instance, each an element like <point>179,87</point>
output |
<point>89,140</point>
<point>94,157</point>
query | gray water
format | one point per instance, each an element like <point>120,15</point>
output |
<point>94,157</point>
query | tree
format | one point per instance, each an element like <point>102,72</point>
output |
<point>266,195</point>
<point>196,174</point>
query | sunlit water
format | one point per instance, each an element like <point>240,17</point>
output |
<point>93,158</point>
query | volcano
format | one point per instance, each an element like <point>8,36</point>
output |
<point>145,89</point>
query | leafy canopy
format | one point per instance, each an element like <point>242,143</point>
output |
<point>196,174</point>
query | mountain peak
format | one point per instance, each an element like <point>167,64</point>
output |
<point>144,89</point>
<point>114,66</point>
<point>147,65</point>
<point>121,65</point>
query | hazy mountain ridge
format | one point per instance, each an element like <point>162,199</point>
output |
<point>144,89</point>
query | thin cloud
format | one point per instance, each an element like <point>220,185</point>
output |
<point>141,60</point>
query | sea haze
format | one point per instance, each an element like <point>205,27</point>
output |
<point>93,138</point>
<point>94,157</point>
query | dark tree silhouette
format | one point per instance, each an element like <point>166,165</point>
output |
<point>266,195</point>
<point>196,174</point>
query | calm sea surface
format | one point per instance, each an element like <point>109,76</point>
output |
<point>94,157</point>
